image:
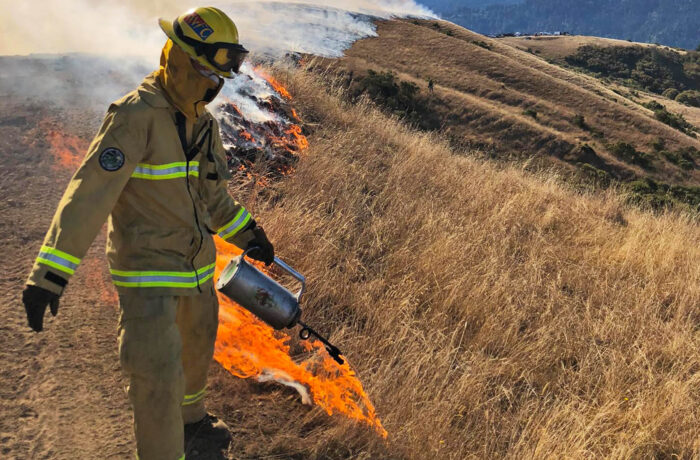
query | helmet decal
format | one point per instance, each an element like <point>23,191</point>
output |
<point>197,24</point>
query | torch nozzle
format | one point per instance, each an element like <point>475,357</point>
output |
<point>332,350</point>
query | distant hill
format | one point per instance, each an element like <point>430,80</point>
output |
<point>673,23</point>
<point>509,102</point>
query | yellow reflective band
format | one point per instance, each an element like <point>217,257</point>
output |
<point>191,399</point>
<point>50,263</point>
<point>234,225</point>
<point>58,259</point>
<point>61,254</point>
<point>162,278</point>
<point>166,171</point>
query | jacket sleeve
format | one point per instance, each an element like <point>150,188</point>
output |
<point>228,218</point>
<point>88,199</point>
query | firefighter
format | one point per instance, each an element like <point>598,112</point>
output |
<point>157,171</point>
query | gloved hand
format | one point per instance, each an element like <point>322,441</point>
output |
<point>263,249</point>
<point>35,301</point>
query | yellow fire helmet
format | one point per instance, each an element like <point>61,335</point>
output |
<point>210,37</point>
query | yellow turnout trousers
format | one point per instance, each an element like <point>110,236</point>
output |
<point>166,344</point>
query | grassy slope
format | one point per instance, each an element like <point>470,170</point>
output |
<point>556,49</point>
<point>559,47</point>
<point>481,94</point>
<point>490,313</point>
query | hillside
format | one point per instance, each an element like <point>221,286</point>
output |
<point>510,103</point>
<point>652,21</point>
<point>559,47</point>
<point>489,311</point>
<point>642,75</point>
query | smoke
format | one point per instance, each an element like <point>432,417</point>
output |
<point>94,51</point>
<point>129,28</point>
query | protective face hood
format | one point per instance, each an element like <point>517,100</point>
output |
<point>188,90</point>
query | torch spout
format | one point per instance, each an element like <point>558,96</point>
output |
<point>332,350</point>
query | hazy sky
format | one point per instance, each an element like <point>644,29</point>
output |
<point>129,27</point>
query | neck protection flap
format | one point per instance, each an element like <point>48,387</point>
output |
<point>188,90</point>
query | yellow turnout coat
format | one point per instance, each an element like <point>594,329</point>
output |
<point>164,196</point>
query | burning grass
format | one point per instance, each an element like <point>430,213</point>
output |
<point>67,149</point>
<point>491,313</point>
<point>249,348</point>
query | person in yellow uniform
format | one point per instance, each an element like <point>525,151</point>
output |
<point>157,169</point>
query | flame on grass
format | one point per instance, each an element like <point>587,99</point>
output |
<point>276,85</point>
<point>249,348</point>
<point>68,150</point>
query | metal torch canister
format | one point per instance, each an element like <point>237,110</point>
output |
<point>261,295</point>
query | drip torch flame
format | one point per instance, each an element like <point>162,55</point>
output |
<point>249,348</point>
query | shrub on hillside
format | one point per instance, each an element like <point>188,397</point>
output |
<point>659,144</point>
<point>684,158</point>
<point>530,113</point>
<point>580,121</point>
<point>482,44</point>
<point>690,97</point>
<point>653,69</point>
<point>598,176</point>
<point>399,97</point>
<point>670,93</point>
<point>674,120</point>
<point>630,154</point>
<point>659,195</point>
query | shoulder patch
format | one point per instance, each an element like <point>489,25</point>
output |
<point>111,159</point>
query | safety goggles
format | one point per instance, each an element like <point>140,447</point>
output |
<point>227,57</point>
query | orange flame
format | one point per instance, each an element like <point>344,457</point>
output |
<point>301,141</point>
<point>275,84</point>
<point>247,347</point>
<point>68,150</point>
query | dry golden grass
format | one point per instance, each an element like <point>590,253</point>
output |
<point>490,313</point>
<point>481,95</point>
<point>562,46</point>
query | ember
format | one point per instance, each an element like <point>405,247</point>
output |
<point>259,126</point>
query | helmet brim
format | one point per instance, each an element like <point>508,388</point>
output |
<point>167,27</point>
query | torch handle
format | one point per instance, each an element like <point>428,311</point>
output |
<point>283,265</point>
<point>299,277</point>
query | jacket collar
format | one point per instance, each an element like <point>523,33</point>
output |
<point>153,94</point>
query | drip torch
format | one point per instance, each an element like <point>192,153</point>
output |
<point>267,299</point>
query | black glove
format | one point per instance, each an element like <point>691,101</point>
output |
<point>262,248</point>
<point>35,301</point>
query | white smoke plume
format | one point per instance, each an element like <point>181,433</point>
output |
<point>129,28</point>
<point>97,50</point>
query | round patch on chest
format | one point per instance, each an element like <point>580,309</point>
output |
<point>111,159</point>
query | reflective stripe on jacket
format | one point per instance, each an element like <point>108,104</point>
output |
<point>164,200</point>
